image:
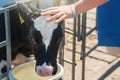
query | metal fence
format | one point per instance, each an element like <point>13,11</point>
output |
<point>79,32</point>
<point>7,42</point>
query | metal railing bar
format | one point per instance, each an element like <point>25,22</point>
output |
<point>79,35</point>
<point>3,75</point>
<point>91,49</point>
<point>79,31</point>
<point>13,6</point>
<point>8,39</point>
<point>2,10</point>
<point>91,30</point>
<point>67,61</point>
<point>74,50</point>
<point>3,43</point>
<point>71,32</point>
<point>83,49</point>
<point>87,33</point>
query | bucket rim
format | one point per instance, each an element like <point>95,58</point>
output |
<point>56,77</point>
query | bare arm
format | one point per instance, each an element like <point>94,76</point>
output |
<point>85,5</point>
<point>62,12</point>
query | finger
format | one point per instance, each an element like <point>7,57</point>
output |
<point>54,17</point>
<point>52,8</point>
<point>50,12</point>
<point>61,18</point>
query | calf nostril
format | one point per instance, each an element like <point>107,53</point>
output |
<point>40,73</point>
<point>45,71</point>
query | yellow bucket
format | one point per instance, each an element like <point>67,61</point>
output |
<point>26,71</point>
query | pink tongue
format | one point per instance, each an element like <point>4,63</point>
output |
<point>46,71</point>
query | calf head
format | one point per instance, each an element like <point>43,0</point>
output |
<point>45,38</point>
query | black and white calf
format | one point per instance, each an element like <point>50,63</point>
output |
<point>44,37</point>
<point>36,36</point>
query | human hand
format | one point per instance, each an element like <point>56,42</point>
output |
<point>58,14</point>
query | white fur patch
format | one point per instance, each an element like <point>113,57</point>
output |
<point>46,29</point>
<point>2,64</point>
<point>40,67</point>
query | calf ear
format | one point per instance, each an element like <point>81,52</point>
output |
<point>25,12</point>
<point>33,8</point>
<point>35,11</point>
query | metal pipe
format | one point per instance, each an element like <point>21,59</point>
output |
<point>93,48</point>
<point>88,52</point>
<point>79,31</point>
<point>3,75</point>
<point>2,44</point>
<point>91,30</point>
<point>71,32</point>
<point>74,50</point>
<point>83,44</point>
<point>68,61</point>
<point>8,39</point>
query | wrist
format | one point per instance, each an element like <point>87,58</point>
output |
<point>74,15</point>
